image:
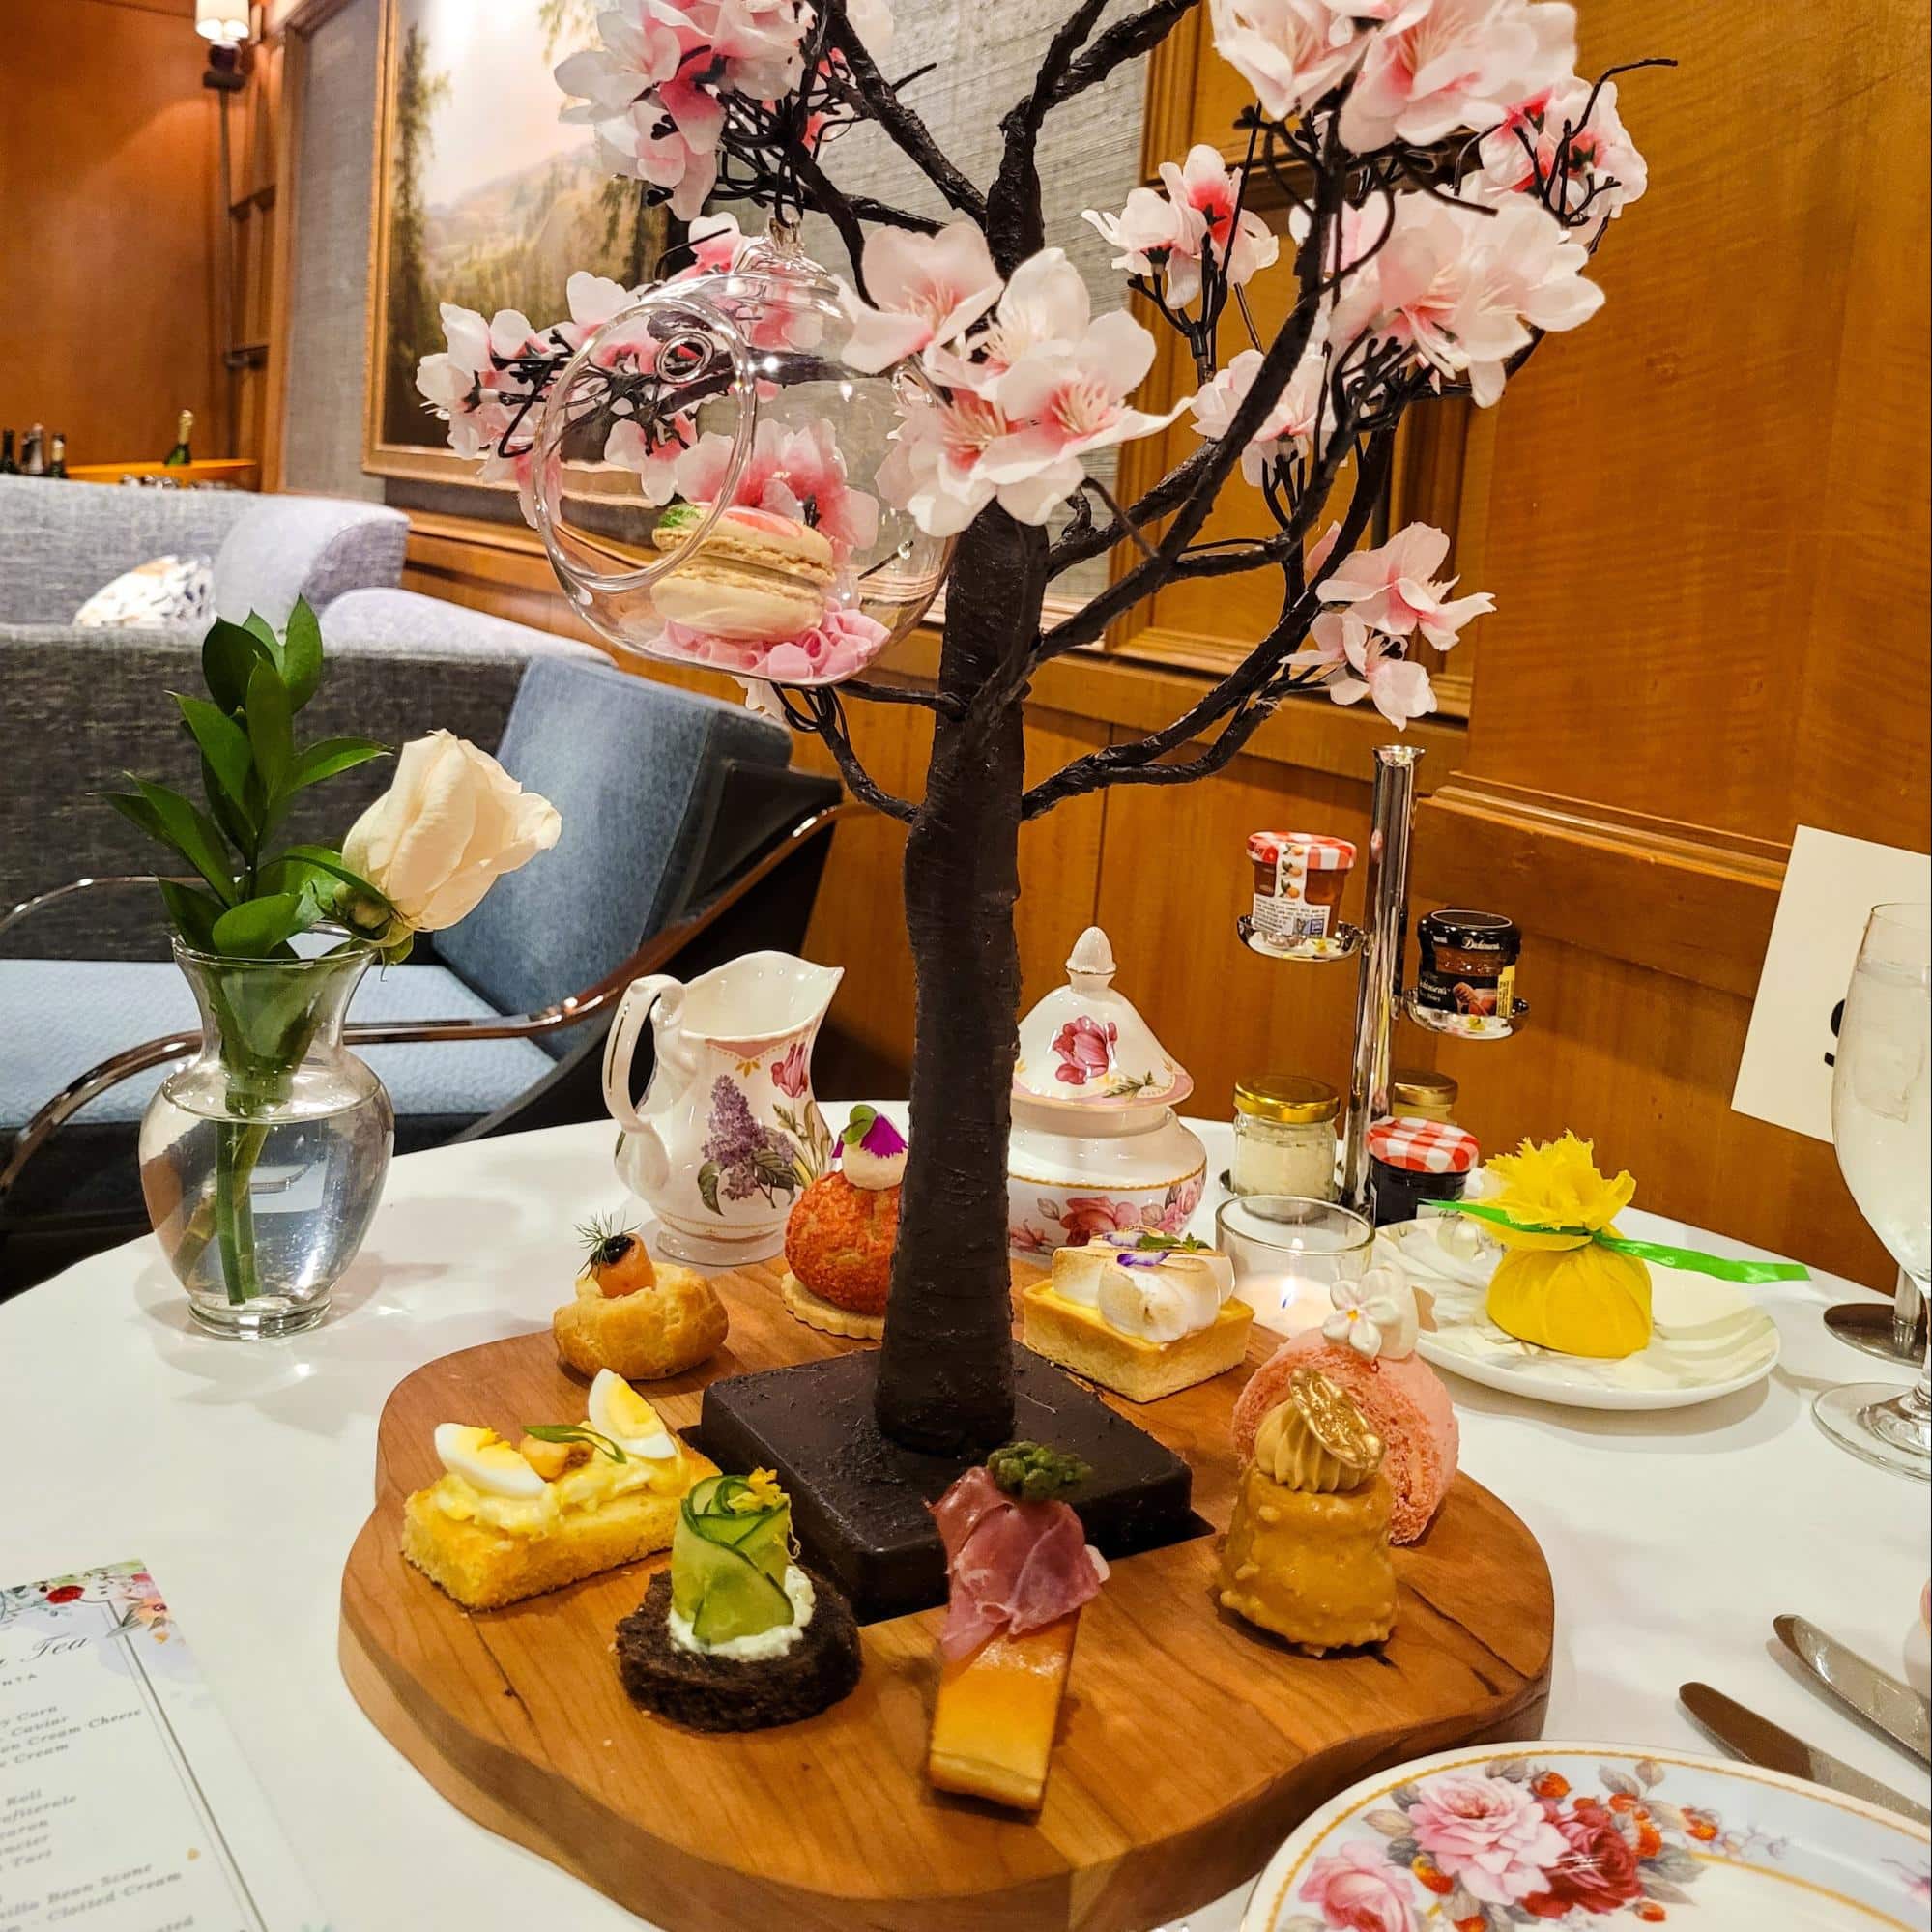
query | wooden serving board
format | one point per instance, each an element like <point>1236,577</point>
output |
<point>1190,1743</point>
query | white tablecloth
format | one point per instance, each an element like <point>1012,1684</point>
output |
<point>241,1473</point>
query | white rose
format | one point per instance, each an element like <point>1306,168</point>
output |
<point>452,824</point>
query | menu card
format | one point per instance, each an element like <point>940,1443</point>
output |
<point>125,1802</point>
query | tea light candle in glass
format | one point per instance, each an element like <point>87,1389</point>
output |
<point>1288,1252</point>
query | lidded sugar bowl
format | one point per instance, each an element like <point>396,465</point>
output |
<point>1096,1148</point>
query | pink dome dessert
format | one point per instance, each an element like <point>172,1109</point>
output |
<point>1403,1401</point>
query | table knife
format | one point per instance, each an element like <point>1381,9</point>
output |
<point>1895,1708</point>
<point>1758,1741</point>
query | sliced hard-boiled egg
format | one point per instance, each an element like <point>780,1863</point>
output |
<point>616,1410</point>
<point>485,1462</point>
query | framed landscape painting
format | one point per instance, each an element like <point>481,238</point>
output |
<point>482,197</point>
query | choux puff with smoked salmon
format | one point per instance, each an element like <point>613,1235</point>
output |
<point>646,1319</point>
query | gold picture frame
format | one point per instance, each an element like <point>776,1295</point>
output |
<point>526,206</point>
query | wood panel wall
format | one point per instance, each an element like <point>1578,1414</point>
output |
<point>1704,521</point>
<point>108,227</point>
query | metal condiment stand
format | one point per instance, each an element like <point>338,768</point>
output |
<point>1379,942</point>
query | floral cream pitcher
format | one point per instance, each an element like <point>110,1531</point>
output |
<point>729,1131</point>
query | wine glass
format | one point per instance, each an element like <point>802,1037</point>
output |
<point>1881,1114</point>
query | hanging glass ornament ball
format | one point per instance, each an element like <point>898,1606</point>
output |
<point>705,477</point>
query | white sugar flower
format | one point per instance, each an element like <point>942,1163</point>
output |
<point>1364,1313</point>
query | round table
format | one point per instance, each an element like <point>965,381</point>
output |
<point>240,1474</point>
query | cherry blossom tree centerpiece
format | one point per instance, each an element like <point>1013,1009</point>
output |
<point>1448,176</point>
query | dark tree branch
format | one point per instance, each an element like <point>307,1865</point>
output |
<point>1126,40</point>
<point>823,716</point>
<point>881,100</point>
<point>1077,544</point>
<point>1139,760</point>
<point>1015,222</point>
<point>941,702</point>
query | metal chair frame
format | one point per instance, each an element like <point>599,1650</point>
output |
<point>657,952</point>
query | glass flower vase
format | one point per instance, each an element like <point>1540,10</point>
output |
<point>263,1158</point>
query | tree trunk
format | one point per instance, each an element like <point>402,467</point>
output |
<point>945,1373</point>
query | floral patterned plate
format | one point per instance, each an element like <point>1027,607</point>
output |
<point>1581,1837</point>
<point>1709,1338</point>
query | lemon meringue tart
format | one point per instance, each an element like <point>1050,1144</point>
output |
<point>509,1521</point>
<point>1144,1320</point>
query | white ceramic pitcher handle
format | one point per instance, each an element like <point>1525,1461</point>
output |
<point>641,995</point>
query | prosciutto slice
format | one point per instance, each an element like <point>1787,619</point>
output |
<point>1014,1566</point>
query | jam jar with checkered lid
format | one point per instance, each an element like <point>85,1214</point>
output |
<point>1411,1161</point>
<point>1298,882</point>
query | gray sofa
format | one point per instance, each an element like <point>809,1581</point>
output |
<point>62,541</point>
<point>397,665</point>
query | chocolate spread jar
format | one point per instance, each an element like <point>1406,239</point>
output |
<point>1468,964</point>
<point>1298,882</point>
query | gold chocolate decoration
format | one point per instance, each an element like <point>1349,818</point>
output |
<point>1316,1441</point>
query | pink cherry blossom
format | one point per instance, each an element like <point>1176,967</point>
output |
<point>1490,1833</point>
<point>1392,588</point>
<point>1590,173</point>
<point>1039,385</point>
<point>464,383</point>
<point>1455,64</point>
<point>1357,1890</point>
<point>795,471</point>
<point>716,241</point>
<point>1290,52</point>
<point>1363,663</point>
<point>934,468</point>
<point>1063,402</point>
<point>929,289</point>
<point>1154,233</point>
<point>1236,236</point>
<point>1464,288</point>
<point>1197,216</point>
<point>1290,424</point>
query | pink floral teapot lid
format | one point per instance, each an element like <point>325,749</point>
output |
<point>1085,1046</point>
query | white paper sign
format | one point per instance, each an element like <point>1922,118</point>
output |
<point>1829,887</point>
<point>125,1802</point>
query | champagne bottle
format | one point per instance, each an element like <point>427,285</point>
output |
<point>180,453</point>
<point>33,453</point>
<point>9,463</point>
<point>57,458</point>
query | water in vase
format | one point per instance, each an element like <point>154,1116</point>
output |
<point>302,1188</point>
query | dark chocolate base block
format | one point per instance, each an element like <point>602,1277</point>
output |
<point>712,1694</point>
<point>858,1502</point>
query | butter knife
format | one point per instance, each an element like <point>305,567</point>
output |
<point>1758,1741</point>
<point>1894,1707</point>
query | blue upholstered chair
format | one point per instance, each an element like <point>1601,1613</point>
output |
<point>685,840</point>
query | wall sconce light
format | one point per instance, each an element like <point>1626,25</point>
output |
<point>225,23</point>
<point>227,26</point>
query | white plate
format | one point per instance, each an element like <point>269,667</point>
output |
<point>1579,1836</point>
<point>1708,1338</point>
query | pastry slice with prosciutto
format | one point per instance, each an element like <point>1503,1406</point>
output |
<point>1020,1568</point>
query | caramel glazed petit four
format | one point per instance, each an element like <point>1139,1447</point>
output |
<point>1307,1554</point>
<point>646,1319</point>
<point>1144,1316</point>
<point>842,1229</point>
<point>737,1636</point>
<point>507,1522</point>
